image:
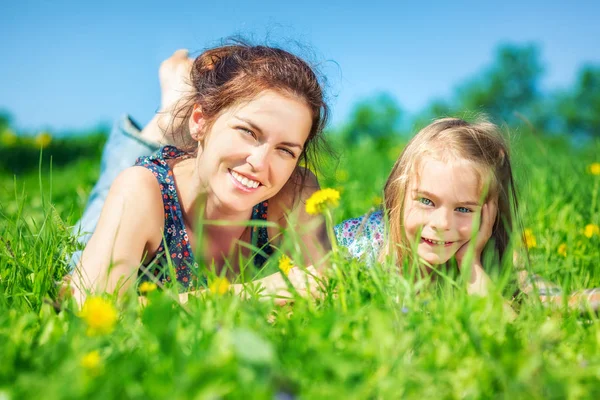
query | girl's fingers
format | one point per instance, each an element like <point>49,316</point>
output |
<point>493,214</point>
<point>488,216</point>
<point>493,211</point>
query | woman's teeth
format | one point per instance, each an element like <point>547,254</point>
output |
<point>249,183</point>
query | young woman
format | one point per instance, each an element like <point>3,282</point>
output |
<point>245,120</point>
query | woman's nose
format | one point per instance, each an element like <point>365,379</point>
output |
<point>259,158</point>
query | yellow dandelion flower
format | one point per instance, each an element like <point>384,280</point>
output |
<point>8,138</point>
<point>91,361</point>
<point>530,241</point>
<point>562,249</point>
<point>285,264</point>
<point>321,200</point>
<point>341,175</point>
<point>100,316</point>
<point>43,140</point>
<point>377,200</point>
<point>591,230</point>
<point>147,287</point>
<point>219,285</point>
<point>594,168</point>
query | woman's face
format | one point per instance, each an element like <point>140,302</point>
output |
<point>252,149</point>
<point>439,207</point>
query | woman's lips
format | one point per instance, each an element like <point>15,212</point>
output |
<point>241,186</point>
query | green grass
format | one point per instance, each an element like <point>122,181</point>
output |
<point>374,334</point>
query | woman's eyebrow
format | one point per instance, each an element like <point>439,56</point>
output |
<point>252,124</point>
<point>257,128</point>
<point>291,144</point>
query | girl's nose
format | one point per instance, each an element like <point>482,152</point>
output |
<point>440,219</point>
<point>259,158</point>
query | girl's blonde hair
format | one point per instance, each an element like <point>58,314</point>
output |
<point>480,142</point>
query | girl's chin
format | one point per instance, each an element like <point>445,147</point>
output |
<point>439,254</point>
<point>434,258</point>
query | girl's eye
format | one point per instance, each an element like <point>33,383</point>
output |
<point>464,210</point>
<point>425,201</point>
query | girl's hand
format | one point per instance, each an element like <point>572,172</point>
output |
<point>488,218</point>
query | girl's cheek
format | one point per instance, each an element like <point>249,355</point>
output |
<point>410,219</point>
<point>466,227</point>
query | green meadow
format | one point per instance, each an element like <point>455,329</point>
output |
<point>373,333</point>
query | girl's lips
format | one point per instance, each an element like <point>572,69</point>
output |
<point>239,185</point>
<point>435,243</point>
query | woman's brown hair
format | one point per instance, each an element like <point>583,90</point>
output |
<point>237,72</point>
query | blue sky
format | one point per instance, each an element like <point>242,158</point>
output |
<point>72,65</point>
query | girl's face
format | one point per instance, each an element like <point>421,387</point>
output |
<point>252,149</point>
<point>439,207</point>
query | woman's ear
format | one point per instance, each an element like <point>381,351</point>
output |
<point>197,123</point>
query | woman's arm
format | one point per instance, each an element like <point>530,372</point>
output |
<point>289,207</point>
<point>274,286</point>
<point>115,250</point>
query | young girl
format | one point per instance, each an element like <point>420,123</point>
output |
<point>253,115</point>
<point>450,173</point>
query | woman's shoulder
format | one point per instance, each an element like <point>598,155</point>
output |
<point>132,209</point>
<point>135,179</point>
<point>138,186</point>
<point>161,157</point>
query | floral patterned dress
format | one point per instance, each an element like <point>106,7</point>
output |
<point>362,236</point>
<point>175,250</point>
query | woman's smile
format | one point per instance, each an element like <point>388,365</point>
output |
<point>243,182</point>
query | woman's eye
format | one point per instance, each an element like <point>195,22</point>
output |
<point>288,152</point>
<point>425,201</point>
<point>464,210</point>
<point>247,132</point>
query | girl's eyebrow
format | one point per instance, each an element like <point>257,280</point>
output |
<point>424,192</point>
<point>470,203</point>
<point>428,194</point>
<point>257,129</point>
